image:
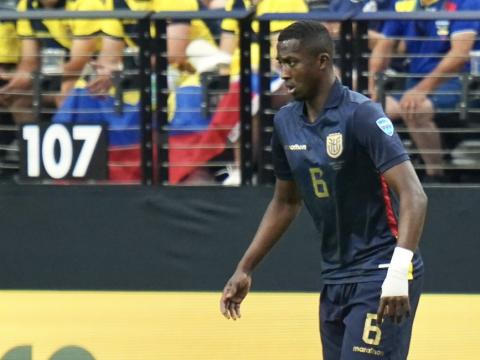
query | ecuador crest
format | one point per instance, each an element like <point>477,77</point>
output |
<point>334,145</point>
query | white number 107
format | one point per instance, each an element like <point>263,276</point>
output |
<point>43,150</point>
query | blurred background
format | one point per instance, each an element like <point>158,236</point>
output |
<point>135,166</point>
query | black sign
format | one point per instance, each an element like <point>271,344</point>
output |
<point>58,151</point>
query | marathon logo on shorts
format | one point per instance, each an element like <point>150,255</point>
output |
<point>385,124</point>
<point>368,350</point>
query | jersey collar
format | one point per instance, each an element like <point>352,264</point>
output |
<point>335,95</point>
<point>333,100</point>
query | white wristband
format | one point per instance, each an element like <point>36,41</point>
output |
<point>396,281</point>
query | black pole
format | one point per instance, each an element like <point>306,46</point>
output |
<point>145,101</point>
<point>37,79</point>
<point>161,66</point>
<point>346,61</point>
<point>361,61</point>
<point>265,100</point>
<point>245,101</point>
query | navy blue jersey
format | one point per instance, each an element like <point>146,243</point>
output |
<point>337,162</point>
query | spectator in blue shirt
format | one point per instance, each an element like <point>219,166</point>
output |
<point>354,7</point>
<point>443,57</point>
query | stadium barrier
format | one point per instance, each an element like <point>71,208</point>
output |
<point>459,126</point>
<point>138,275</point>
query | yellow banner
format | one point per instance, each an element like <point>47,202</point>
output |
<point>188,326</point>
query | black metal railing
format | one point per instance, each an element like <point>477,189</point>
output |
<point>352,61</point>
<point>244,19</point>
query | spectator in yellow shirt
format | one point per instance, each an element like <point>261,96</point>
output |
<point>76,37</point>
<point>229,43</point>
<point>118,37</point>
<point>9,46</point>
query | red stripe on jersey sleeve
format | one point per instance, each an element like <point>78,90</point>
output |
<point>391,218</point>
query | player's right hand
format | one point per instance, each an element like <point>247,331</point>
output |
<point>235,291</point>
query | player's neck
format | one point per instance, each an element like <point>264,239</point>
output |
<point>315,105</point>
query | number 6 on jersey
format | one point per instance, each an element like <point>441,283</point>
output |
<point>319,185</point>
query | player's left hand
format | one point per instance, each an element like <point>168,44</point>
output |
<point>396,308</point>
<point>394,302</point>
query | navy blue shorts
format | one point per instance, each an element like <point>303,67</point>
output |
<point>348,326</point>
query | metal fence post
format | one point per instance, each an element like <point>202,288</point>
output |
<point>360,48</point>
<point>161,99</point>
<point>265,117</point>
<point>145,101</point>
<point>346,37</point>
<point>37,79</point>
<point>246,167</point>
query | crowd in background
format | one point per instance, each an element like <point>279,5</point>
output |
<point>79,62</point>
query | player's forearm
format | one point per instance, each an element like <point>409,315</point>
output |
<point>275,222</point>
<point>413,209</point>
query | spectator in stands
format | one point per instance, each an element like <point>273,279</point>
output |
<point>229,43</point>
<point>118,37</point>
<point>9,49</point>
<point>75,37</point>
<point>358,6</point>
<point>184,69</point>
<point>9,55</point>
<point>445,56</point>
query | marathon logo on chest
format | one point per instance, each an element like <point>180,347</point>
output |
<point>385,125</point>
<point>297,147</point>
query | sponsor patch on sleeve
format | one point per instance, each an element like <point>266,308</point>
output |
<point>385,124</point>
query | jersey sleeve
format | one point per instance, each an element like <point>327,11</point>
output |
<point>24,27</point>
<point>113,28</point>
<point>393,28</point>
<point>86,27</point>
<point>465,25</point>
<point>9,43</point>
<point>375,133</point>
<point>231,25</point>
<point>176,5</point>
<point>281,167</point>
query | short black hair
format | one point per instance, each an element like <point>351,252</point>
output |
<point>313,35</point>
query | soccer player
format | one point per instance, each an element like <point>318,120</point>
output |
<point>336,151</point>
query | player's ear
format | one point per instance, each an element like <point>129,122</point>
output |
<point>323,60</point>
